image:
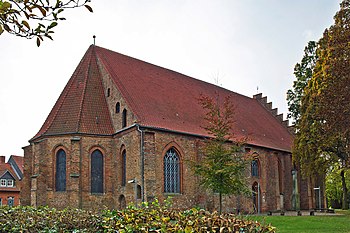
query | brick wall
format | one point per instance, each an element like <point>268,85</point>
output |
<point>39,171</point>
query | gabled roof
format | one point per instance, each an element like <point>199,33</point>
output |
<point>6,168</point>
<point>158,97</point>
<point>17,164</point>
<point>81,107</point>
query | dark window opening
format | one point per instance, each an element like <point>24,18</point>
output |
<point>280,174</point>
<point>122,202</point>
<point>96,172</point>
<point>61,170</point>
<point>124,120</point>
<point>117,107</point>
<point>138,191</point>
<point>108,92</point>
<point>123,167</point>
<point>171,172</point>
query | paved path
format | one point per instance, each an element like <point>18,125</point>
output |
<point>303,213</point>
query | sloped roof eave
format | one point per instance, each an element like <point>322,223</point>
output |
<point>208,136</point>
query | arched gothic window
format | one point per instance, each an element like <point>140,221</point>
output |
<point>60,170</point>
<point>171,172</point>
<point>97,172</point>
<point>124,118</point>
<point>123,168</point>
<point>117,107</point>
<point>255,168</point>
<point>139,192</point>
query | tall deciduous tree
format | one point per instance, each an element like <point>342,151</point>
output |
<point>223,164</point>
<point>34,18</point>
<point>323,133</point>
<point>303,72</point>
<point>334,93</point>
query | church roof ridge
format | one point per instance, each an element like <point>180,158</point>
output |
<point>161,98</point>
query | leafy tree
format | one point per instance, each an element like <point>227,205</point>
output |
<point>323,132</point>
<point>34,18</point>
<point>303,72</point>
<point>334,96</point>
<point>222,167</point>
<point>334,189</point>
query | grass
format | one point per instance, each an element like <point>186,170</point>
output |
<point>308,224</point>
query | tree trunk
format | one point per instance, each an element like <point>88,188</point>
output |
<point>220,203</point>
<point>345,205</point>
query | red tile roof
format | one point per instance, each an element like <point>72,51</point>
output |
<point>4,167</point>
<point>159,98</point>
<point>81,107</point>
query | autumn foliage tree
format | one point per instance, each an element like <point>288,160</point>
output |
<point>35,18</point>
<point>323,132</point>
<point>222,166</point>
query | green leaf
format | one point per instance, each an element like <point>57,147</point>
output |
<point>1,30</point>
<point>5,6</point>
<point>53,24</point>
<point>38,41</point>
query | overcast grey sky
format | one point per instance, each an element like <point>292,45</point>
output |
<point>244,44</point>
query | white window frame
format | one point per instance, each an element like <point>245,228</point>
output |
<point>10,183</point>
<point>3,183</point>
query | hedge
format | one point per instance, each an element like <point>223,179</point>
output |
<point>148,218</point>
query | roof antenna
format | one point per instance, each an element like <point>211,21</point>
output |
<point>257,89</point>
<point>94,38</point>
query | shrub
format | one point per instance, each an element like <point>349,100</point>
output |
<point>149,218</point>
<point>44,219</point>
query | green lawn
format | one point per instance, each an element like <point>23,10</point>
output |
<point>308,224</point>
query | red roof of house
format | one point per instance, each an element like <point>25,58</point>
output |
<point>158,97</point>
<point>5,167</point>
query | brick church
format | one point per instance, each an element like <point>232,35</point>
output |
<point>122,130</point>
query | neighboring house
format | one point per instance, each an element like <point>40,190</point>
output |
<point>123,130</point>
<point>11,174</point>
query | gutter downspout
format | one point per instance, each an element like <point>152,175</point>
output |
<point>142,165</point>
